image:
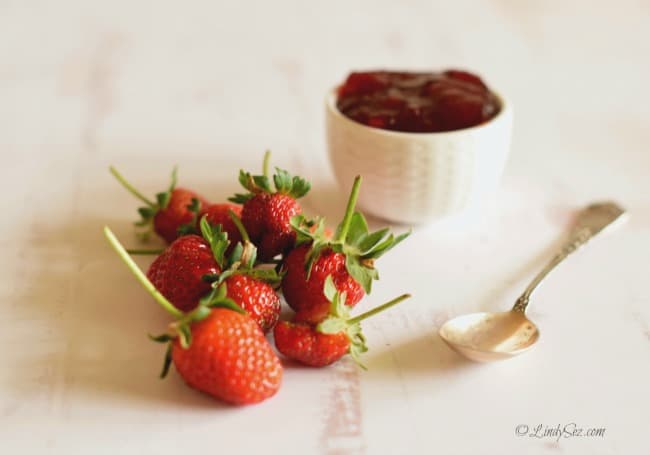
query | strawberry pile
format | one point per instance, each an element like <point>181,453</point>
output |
<point>225,267</point>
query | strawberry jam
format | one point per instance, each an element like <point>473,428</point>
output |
<point>417,102</point>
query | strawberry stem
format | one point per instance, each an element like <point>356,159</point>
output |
<point>349,210</point>
<point>378,309</point>
<point>155,251</point>
<point>142,278</point>
<point>240,227</point>
<point>265,163</point>
<point>130,188</point>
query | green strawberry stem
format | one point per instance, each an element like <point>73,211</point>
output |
<point>349,210</point>
<point>130,188</point>
<point>240,227</point>
<point>378,309</point>
<point>265,163</point>
<point>142,278</point>
<point>136,251</point>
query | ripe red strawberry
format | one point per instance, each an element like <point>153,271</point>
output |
<point>178,212</point>
<point>179,270</point>
<point>306,295</point>
<point>323,344</point>
<point>256,297</point>
<point>219,214</point>
<point>216,348</point>
<point>267,213</point>
<point>348,257</point>
<point>302,342</point>
<point>267,217</point>
<point>229,358</point>
<point>173,209</point>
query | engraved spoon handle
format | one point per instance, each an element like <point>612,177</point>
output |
<point>591,220</point>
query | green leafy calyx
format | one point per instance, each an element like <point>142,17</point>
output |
<point>352,238</point>
<point>360,246</point>
<point>190,228</point>
<point>216,238</point>
<point>242,259</point>
<point>148,212</point>
<point>310,232</point>
<point>339,321</point>
<point>280,183</point>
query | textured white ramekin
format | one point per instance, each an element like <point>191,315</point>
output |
<point>418,177</point>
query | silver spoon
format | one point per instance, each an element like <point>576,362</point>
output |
<point>484,337</point>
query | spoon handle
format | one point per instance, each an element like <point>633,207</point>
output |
<point>591,220</point>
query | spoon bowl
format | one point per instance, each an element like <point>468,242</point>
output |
<point>484,337</point>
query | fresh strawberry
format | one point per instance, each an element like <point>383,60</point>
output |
<point>181,210</point>
<point>349,258</point>
<point>180,270</point>
<point>216,348</point>
<point>267,213</point>
<point>229,358</point>
<point>219,214</point>
<point>302,342</point>
<point>267,218</point>
<point>173,209</point>
<point>323,344</point>
<point>306,295</point>
<point>256,297</point>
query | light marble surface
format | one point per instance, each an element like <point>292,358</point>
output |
<point>210,85</point>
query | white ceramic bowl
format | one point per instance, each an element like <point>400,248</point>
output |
<point>418,177</point>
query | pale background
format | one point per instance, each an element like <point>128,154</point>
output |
<point>210,85</point>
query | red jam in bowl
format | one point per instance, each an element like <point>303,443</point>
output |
<point>417,102</point>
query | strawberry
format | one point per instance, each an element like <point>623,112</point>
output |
<point>267,213</point>
<point>349,258</point>
<point>229,358</point>
<point>170,217</point>
<point>256,297</point>
<point>306,295</point>
<point>219,214</point>
<point>184,270</point>
<point>323,344</point>
<point>178,272</point>
<point>303,343</point>
<point>216,348</point>
<point>173,209</point>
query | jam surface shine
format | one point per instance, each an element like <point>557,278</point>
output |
<point>417,102</point>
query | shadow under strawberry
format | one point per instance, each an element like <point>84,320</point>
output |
<point>82,324</point>
<point>424,354</point>
<point>82,350</point>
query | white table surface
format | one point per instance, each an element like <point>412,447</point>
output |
<point>210,85</point>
